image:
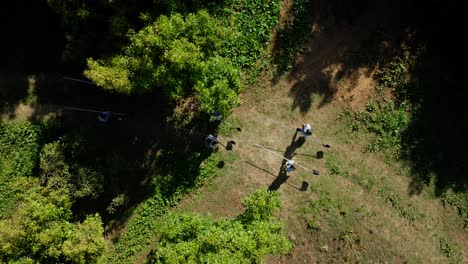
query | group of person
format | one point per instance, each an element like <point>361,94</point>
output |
<point>289,166</point>
<point>306,131</point>
<point>211,140</point>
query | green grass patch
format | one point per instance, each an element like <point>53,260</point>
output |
<point>362,178</point>
<point>291,36</point>
<point>254,21</point>
<point>406,210</point>
<point>459,200</point>
<point>449,250</point>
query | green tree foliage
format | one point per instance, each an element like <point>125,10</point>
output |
<point>20,144</point>
<point>254,20</point>
<point>194,239</point>
<point>59,169</point>
<point>179,55</point>
<point>40,230</point>
<point>260,206</point>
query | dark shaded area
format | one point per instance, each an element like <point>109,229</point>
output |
<point>13,90</point>
<point>134,151</point>
<point>32,40</point>
<point>318,155</point>
<point>288,154</point>
<point>437,137</point>
<point>344,40</point>
<point>130,153</point>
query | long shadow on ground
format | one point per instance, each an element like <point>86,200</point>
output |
<point>339,42</point>
<point>288,154</point>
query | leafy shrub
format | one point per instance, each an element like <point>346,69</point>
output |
<point>20,143</point>
<point>192,238</point>
<point>387,121</point>
<point>40,229</point>
<point>260,205</point>
<point>458,200</point>
<point>179,55</point>
<point>117,202</point>
<point>60,169</point>
<point>254,21</point>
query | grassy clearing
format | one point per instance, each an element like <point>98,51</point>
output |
<point>358,209</point>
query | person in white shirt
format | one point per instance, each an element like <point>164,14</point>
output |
<point>306,130</point>
<point>290,166</point>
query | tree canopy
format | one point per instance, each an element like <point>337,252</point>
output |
<point>189,238</point>
<point>180,55</point>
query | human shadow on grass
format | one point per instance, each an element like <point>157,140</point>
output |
<point>302,188</point>
<point>318,155</point>
<point>288,154</point>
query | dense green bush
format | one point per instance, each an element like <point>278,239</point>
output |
<point>192,238</point>
<point>20,144</point>
<point>253,20</point>
<point>60,169</point>
<point>260,206</point>
<point>193,55</point>
<point>179,55</point>
<point>40,229</point>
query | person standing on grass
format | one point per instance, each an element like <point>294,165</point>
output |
<point>104,117</point>
<point>290,166</point>
<point>306,130</point>
<point>210,141</point>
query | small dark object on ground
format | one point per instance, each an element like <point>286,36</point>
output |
<point>220,164</point>
<point>316,172</point>
<point>305,186</point>
<point>319,154</point>
<point>229,146</point>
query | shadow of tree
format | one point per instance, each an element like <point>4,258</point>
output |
<point>436,139</point>
<point>13,91</point>
<point>344,41</point>
<point>32,38</point>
